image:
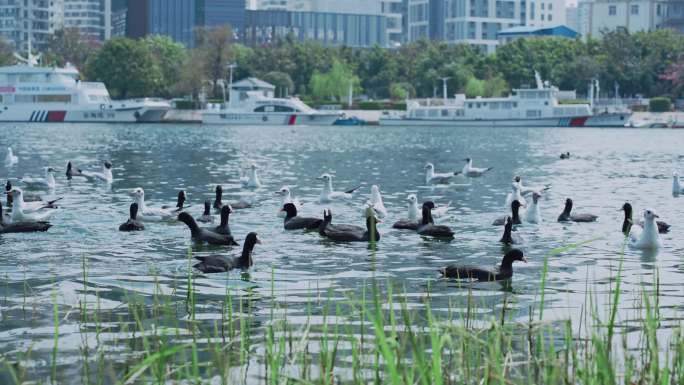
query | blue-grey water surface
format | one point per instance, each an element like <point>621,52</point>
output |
<point>607,168</point>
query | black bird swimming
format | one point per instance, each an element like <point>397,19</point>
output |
<point>567,216</point>
<point>206,215</point>
<point>132,224</point>
<point>71,171</point>
<point>508,237</point>
<point>663,227</point>
<point>565,155</point>
<point>218,201</point>
<point>220,264</point>
<point>223,227</point>
<point>349,233</point>
<point>515,215</point>
<point>21,227</point>
<point>294,222</point>
<point>504,271</point>
<point>201,235</point>
<point>427,224</point>
<point>180,202</point>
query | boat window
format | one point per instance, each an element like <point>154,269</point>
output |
<point>533,113</point>
<point>1,99</point>
<point>546,103</point>
<point>477,105</point>
<point>445,112</point>
<point>31,78</point>
<point>494,106</point>
<point>274,109</point>
<point>53,98</point>
<point>433,113</point>
<point>515,104</point>
<point>24,98</point>
<point>4,79</point>
<point>460,113</point>
<point>470,105</point>
<point>420,113</point>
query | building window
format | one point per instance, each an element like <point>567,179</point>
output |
<point>542,6</point>
<point>542,17</point>
<point>550,18</point>
<point>550,6</point>
<point>634,9</point>
<point>612,10</point>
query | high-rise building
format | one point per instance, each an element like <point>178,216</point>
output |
<point>572,17</point>
<point>24,20</point>
<point>353,30</point>
<point>92,17</point>
<point>477,22</point>
<point>393,10</point>
<point>179,19</point>
<point>631,15</point>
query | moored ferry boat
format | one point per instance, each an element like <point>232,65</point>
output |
<point>252,102</point>
<point>29,93</point>
<point>537,107</point>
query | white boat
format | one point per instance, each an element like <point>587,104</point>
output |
<point>29,93</point>
<point>537,107</point>
<point>252,102</point>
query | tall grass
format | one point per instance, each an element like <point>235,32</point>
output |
<point>372,336</point>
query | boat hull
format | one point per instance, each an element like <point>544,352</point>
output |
<point>269,119</point>
<point>120,113</point>
<point>604,120</point>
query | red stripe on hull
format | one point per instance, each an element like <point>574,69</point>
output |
<point>578,122</point>
<point>293,120</point>
<point>56,116</point>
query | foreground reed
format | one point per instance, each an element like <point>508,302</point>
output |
<point>370,336</point>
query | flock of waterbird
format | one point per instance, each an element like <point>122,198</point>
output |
<point>31,214</point>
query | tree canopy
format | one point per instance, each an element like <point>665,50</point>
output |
<point>647,63</point>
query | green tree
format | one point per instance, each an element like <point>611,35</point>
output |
<point>334,84</point>
<point>127,68</point>
<point>216,46</point>
<point>69,45</point>
<point>282,81</point>
<point>474,87</point>
<point>6,55</point>
<point>495,86</point>
<point>192,78</point>
<point>169,57</point>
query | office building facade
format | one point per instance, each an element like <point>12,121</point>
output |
<point>599,16</point>
<point>353,30</point>
<point>393,10</point>
<point>179,19</point>
<point>24,20</point>
<point>477,22</point>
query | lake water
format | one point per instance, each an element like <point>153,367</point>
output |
<point>294,269</point>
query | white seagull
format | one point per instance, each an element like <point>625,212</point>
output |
<point>150,213</point>
<point>251,180</point>
<point>431,177</point>
<point>376,202</point>
<point>286,193</point>
<point>18,213</point>
<point>105,175</point>
<point>676,185</point>
<point>47,182</point>
<point>649,237</point>
<point>533,214</point>
<point>515,194</point>
<point>529,190</point>
<point>10,159</point>
<point>328,194</point>
<point>414,212</point>
<point>473,172</point>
